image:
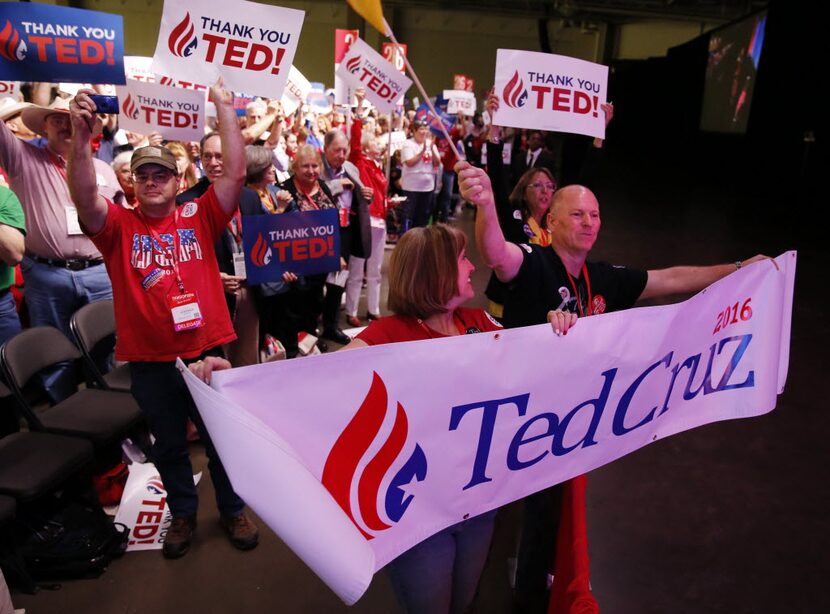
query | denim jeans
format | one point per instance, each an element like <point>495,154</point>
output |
<point>9,322</point>
<point>53,294</point>
<point>440,575</point>
<point>163,397</point>
<point>417,208</point>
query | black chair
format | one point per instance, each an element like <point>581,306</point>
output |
<point>90,325</point>
<point>101,416</point>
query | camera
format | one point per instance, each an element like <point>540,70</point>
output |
<point>105,104</point>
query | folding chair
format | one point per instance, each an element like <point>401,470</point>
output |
<point>101,416</point>
<point>90,325</point>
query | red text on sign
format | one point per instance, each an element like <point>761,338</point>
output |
<point>731,315</point>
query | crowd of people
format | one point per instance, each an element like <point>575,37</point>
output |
<point>158,225</point>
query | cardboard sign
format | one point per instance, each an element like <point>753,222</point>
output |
<point>395,54</point>
<point>343,39</point>
<point>179,115</point>
<point>305,243</point>
<point>297,88</point>
<point>251,45</point>
<point>364,67</point>
<point>460,101</point>
<point>10,89</point>
<point>550,92</point>
<point>53,44</point>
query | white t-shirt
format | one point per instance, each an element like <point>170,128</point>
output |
<point>421,176</point>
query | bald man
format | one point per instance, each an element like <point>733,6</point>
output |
<point>557,284</point>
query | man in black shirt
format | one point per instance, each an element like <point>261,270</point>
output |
<point>557,284</point>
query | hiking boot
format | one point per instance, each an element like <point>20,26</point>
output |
<point>177,540</point>
<point>241,531</point>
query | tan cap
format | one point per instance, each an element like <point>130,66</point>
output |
<point>35,115</point>
<point>153,155</point>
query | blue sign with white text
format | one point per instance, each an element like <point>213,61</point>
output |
<point>58,44</point>
<point>304,243</point>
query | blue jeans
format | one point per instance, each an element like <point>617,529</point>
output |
<point>440,575</point>
<point>9,322</point>
<point>163,397</point>
<point>445,196</point>
<point>52,295</point>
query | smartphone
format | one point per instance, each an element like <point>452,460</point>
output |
<point>105,104</point>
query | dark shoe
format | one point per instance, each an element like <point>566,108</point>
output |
<point>372,316</point>
<point>336,335</point>
<point>354,321</point>
<point>179,535</point>
<point>241,531</point>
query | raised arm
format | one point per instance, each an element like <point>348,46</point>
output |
<point>92,208</point>
<point>686,279</point>
<point>229,185</point>
<point>252,133</point>
<point>504,258</point>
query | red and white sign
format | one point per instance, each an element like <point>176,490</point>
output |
<point>250,45</point>
<point>364,67</point>
<point>550,92</point>
<point>462,82</point>
<point>343,39</point>
<point>10,89</point>
<point>395,54</point>
<point>143,509</point>
<point>178,114</point>
<point>376,461</point>
<point>137,68</point>
<point>460,101</point>
<point>296,91</point>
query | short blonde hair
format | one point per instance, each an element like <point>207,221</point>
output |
<point>423,270</point>
<point>303,151</point>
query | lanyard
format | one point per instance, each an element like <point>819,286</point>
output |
<point>234,226</point>
<point>56,162</point>
<point>171,253</point>
<point>306,194</point>
<point>576,292</point>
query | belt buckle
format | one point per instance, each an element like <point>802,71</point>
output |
<point>76,265</point>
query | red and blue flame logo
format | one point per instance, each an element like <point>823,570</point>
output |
<point>182,40</point>
<point>130,109</point>
<point>514,93</point>
<point>155,485</point>
<point>353,65</point>
<point>12,46</point>
<point>342,464</point>
<point>260,253</point>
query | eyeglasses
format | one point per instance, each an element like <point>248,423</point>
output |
<point>543,186</point>
<point>157,178</point>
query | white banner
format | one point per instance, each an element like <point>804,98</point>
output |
<point>460,101</point>
<point>405,439</point>
<point>251,45</point>
<point>364,67</point>
<point>178,114</point>
<point>550,92</point>
<point>143,509</point>
<point>297,88</point>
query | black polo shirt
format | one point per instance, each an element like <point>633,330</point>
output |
<point>542,285</point>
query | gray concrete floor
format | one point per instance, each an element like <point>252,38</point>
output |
<point>729,517</point>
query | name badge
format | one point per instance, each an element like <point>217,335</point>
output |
<point>185,310</point>
<point>73,225</point>
<point>239,265</point>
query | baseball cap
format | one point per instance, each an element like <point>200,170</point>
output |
<point>153,155</point>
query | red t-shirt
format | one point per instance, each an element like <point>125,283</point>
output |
<point>405,328</point>
<point>142,278</point>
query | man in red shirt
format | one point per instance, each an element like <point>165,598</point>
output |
<point>168,300</point>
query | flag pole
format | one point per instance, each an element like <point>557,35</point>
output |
<point>423,92</point>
